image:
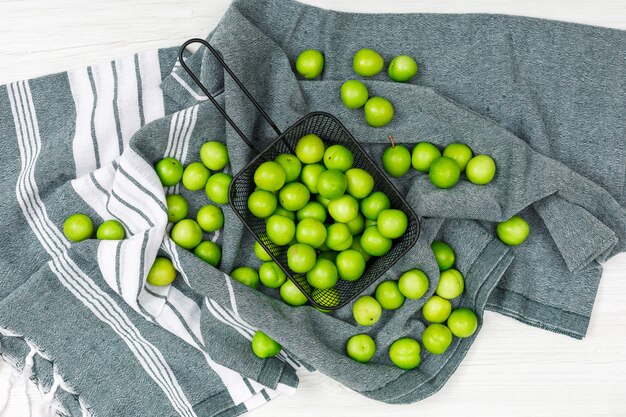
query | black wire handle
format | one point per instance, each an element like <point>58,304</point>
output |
<point>237,81</point>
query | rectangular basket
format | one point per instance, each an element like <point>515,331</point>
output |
<point>331,131</point>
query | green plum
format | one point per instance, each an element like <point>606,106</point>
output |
<point>280,230</point>
<point>261,253</point>
<point>361,348</point>
<point>396,160</point>
<point>356,225</point>
<point>424,153</point>
<point>460,152</point>
<point>271,275</point>
<point>389,296</point>
<point>444,172</point>
<point>270,176</point>
<point>246,275</point>
<point>311,232</point>
<point>195,176</point>
<point>338,237</point>
<point>366,311</point>
<point>413,284</point>
<point>378,111</point>
<point>463,322</point>
<point>210,218</point>
<point>169,170</point>
<point>360,183</point>
<point>338,157</point>
<point>373,204</point>
<point>374,243</point>
<point>262,203</point>
<point>111,230</point>
<point>187,234</point>
<point>310,176</point>
<point>402,68</point>
<point>480,170</point>
<point>350,264</point>
<point>301,258</point>
<point>367,62</point>
<point>436,338</point>
<point>443,254</point>
<point>451,284</point>
<point>177,207</point>
<point>436,309</point>
<point>217,187</point>
<point>343,209</point>
<point>209,252</point>
<point>264,346</point>
<point>514,231</point>
<point>294,196</point>
<point>310,149</point>
<point>392,223</point>
<point>312,210</point>
<point>214,155</point>
<point>310,63</point>
<point>331,184</point>
<point>161,272</point>
<point>323,275</point>
<point>78,227</point>
<point>405,353</point>
<point>292,295</point>
<point>291,164</point>
<point>354,94</point>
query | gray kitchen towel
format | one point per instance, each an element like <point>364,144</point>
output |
<point>521,90</point>
<point>558,87</point>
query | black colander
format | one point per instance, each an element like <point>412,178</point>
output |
<point>330,129</point>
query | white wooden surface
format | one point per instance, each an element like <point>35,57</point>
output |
<point>512,370</point>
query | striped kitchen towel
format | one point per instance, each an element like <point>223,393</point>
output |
<point>81,320</point>
<point>77,319</point>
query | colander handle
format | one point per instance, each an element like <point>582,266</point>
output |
<point>237,81</point>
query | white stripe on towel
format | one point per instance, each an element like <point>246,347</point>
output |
<point>183,83</point>
<point>127,98</point>
<point>151,94</point>
<point>105,125</point>
<point>82,144</point>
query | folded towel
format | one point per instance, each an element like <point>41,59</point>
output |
<point>521,90</point>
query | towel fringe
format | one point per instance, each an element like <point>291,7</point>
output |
<point>23,374</point>
<point>29,362</point>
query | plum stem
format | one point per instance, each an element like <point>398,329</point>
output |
<point>393,144</point>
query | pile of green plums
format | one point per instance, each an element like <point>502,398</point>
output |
<point>444,169</point>
<point>79,227</point>
<point>354,94</point>
<point>325,212</point>
<point>413,284</point>
<point>187,232</point>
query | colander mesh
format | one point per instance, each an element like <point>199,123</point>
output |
<point>332,132</point>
